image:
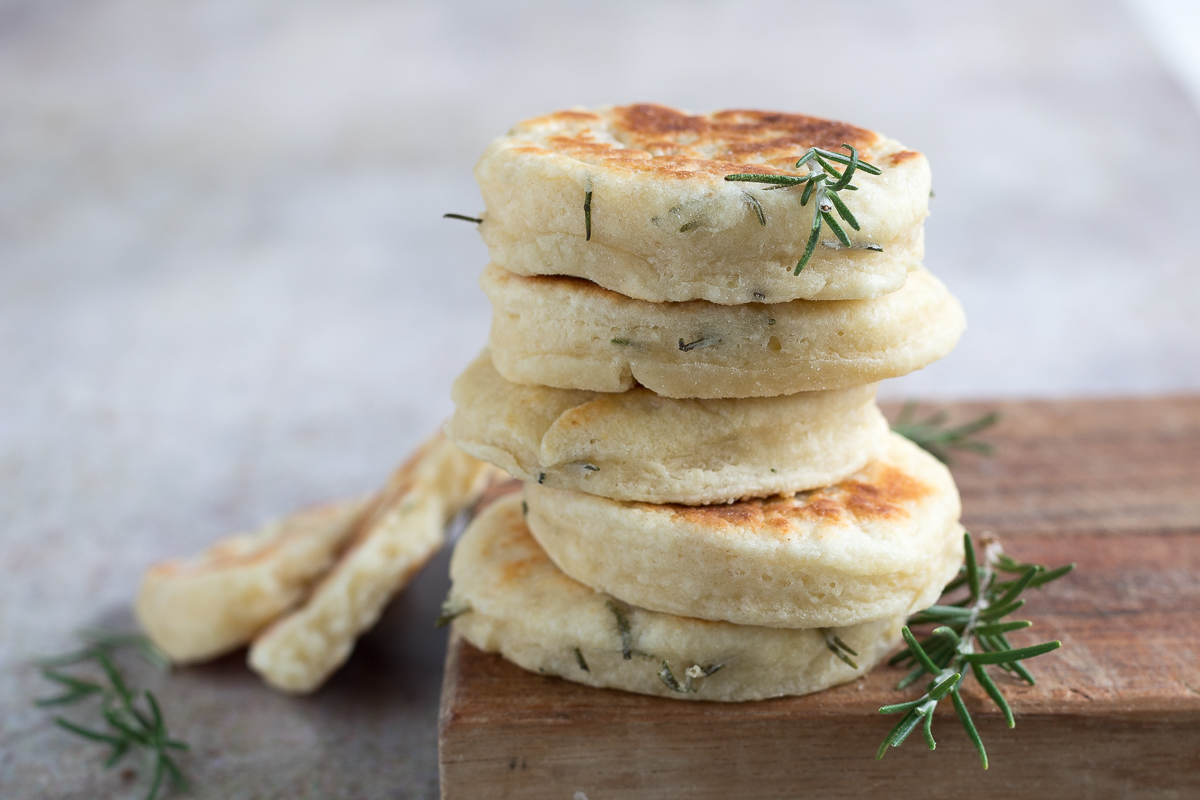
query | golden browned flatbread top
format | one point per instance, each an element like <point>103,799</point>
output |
<point>670,143</point>
<point>635,199</point>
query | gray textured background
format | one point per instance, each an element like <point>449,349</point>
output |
<point>225,289</point>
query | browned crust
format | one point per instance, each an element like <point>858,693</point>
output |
<point>670,143</point>
<point>394,493</point>
<point>226,555</point>
<point>516,534</point>
<point>904,155</point>
<point>883,492</point>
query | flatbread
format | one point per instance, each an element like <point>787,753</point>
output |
<point>881,543</point>
<point>198,608</point>
<point>635,445</point>
<point>666,226</point>
<point>572,334</point>
<point>511,599</point>
<point>404,529</point>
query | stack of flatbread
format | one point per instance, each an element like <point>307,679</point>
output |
<point>714,506</point>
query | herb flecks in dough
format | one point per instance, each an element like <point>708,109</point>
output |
<point>623,629</point>
<point>843,651</point>
<point>690,676</point>
<point>449,614</point>
<point>587,212</point>
<point>758,209</point>
<point>703,341</point>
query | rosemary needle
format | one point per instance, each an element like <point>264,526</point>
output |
<point>843,651</point>
<point>703,341</point>
<point>757,206</point>
<point>463,217</point>
<point>448,614</point>
<point>587,212</point>
<point>623,629</point>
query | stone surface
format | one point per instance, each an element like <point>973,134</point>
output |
<point>226,290</point>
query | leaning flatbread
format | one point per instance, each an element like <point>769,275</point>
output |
<point>198,608</point>
<point>404,528</point>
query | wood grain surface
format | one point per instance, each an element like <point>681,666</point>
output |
<point>1113,485</point>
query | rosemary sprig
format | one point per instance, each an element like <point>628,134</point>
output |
<point>131,718</point>
<point>970,633</point>
<point>822,184</point>
<point>932,434</point>
<point>463,217</point>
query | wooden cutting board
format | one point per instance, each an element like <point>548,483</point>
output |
<point>1113,485</point>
